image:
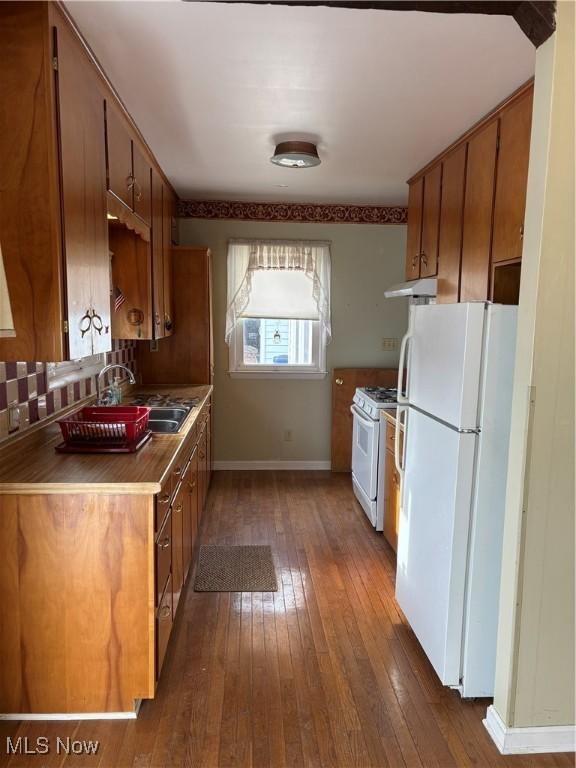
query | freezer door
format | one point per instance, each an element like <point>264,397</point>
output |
<point>433,538</point>
<point>444,360</point>
<point>365,452</point>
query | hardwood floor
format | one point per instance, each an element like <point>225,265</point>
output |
<point>323,672</point>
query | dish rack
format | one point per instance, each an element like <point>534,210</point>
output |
<point>105,429</point>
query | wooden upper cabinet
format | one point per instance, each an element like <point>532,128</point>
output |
<point>413,248</point>
<point>52,189</point>
<point>450,237</point>
<point>82,153</point>
<point>512,179</point>
<point>431,221</point>
<point>142,184</point>
<point>119,156</point>
<point>157,255</point>
<point>478,207</point>
<point>168,206</point>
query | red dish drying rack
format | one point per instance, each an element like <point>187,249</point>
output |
<point>105,429</point>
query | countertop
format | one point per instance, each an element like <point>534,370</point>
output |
<point>31,465</point>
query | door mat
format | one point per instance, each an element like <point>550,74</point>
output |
<point>247,568</point>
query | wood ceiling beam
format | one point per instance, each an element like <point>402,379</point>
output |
<point>536,18</point>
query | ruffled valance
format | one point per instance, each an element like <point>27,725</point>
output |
<point>287,279</point>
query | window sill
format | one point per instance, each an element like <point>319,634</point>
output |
<point>312,375</point>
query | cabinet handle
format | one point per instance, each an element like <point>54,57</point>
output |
<point>164,499</point>
<point>192,485</point>
<point>157,318</point>
<point>179,508</point>
<point>178,470</point>
<point>167,322</point>
<point>88,324</point>
<point>130,181</point>
<point>522,232</point>
<point>137,191</point>
<point>415,259</point>
<point>424,259</point>
<point>202,455</point>
<point>164,543</point>
<point>97,323</point>
<point>164,612</point>
<point>339,382</point>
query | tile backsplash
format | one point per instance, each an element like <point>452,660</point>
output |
<point>26,385</point>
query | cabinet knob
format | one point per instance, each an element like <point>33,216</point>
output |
<point>522,232</point>
<point>339,382</point>
<point>164,543</point>
<point>167,322</point>
<point>178,470</point>
<point>164,499</point>
<point>164,612</point>
<point>192,485</point>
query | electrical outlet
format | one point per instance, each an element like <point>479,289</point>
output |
<point>389,345</point>
<point>287,435</point>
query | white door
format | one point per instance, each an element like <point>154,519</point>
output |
<point>365,452</point>
<point>444,359</point>
<point>433,538</point>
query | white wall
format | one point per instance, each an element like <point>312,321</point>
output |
<point>536,641</point>
<point>250,417</point>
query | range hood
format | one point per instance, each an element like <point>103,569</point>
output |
<point>425,287</point>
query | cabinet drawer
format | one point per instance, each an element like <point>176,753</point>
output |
<point>390,437</point>
<point>163,557</point>
<point>163,625</point>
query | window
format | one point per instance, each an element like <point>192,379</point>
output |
<point>278,317</point>
<point>60,374</point>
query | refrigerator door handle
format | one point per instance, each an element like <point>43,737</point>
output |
<point>403,346</point>
<point>397,457</point>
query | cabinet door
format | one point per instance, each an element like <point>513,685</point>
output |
<point>177,547</point>
<point>83,164</point>
<point>131,275</point>
<point>512,179</point>
<point>157,256</point>
<point>478,207</point>
<point>168,206</point>
<point>186,523</point>
<point>142,184</point>
<point>413,247</point>
<point>391,500</point>
<point>208,451</point>
<point>119,157</point>
<point>450,240</point>
<point>193,495</point>
<point>431,221</point>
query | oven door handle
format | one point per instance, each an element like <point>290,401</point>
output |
<point>360,415</point>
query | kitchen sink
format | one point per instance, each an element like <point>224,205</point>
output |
<point>167,420</point>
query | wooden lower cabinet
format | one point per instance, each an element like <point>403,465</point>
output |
<point>391,489</point>
<point>188,489</point>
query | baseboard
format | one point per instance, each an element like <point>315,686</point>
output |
<point>524,741</point>
<point>267,465</point>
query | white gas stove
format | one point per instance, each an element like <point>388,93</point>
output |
<point>368,446</point>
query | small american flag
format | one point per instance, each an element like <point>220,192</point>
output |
<point>119,299</point>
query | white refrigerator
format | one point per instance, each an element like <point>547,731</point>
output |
<point>456,408</point>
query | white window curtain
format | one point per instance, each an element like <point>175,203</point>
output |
<point>280,279</point>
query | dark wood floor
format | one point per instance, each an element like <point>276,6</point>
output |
<point>323,672</point>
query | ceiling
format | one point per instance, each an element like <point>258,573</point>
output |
<point>213,87</point>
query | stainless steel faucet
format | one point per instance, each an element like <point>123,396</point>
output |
<point>100,398</point>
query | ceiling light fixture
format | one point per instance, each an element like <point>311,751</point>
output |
<point>295,154</point>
